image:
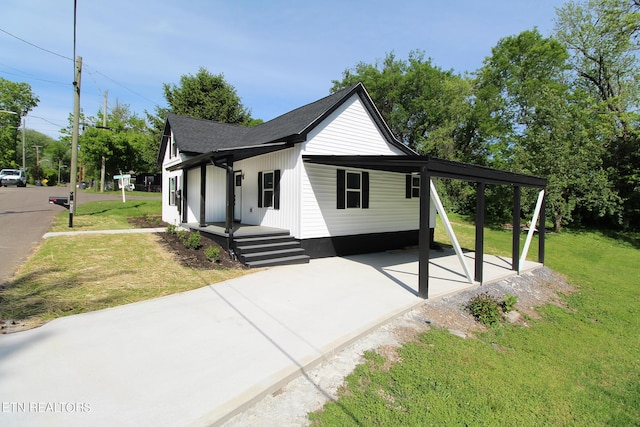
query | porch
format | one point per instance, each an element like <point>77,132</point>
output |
<point>255,245</point>
<point>239,230</point>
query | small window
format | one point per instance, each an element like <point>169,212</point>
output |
<point>173,181</point>
<point>269,189</point>
<point>352,189</point>
<point>413,187</point>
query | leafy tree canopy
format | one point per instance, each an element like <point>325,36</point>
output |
<point>206,96</point>
<point>17,98</point>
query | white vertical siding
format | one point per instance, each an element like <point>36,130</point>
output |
<point>388,211</point>
<point>193,195</point>
<point>216,194</point>
<point>170,213</point>
<point>349,130</point>
<point>288,216</point>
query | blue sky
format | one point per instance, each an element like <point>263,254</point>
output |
<point>278,54</point>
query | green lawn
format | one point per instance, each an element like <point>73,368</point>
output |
<point>578,365</point>
<point>106,215</point>
<point>77,274</point>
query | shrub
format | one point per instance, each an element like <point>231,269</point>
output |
<point>182,234</point>
<point>212,253</point>
<point>171,229</point>
<point>193,241</point>
<point>508,302</point>
<point>485,308</point>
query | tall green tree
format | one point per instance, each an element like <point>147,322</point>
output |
<point>203,96</point>
<point>17,98</point>
<point>602,36</point>
<point>426,107</point>
<point>206,96</point>
<point>126,143</point>
<point>540,125</point>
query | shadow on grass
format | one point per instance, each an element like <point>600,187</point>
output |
<point>38,295</point>
<point>113,209</point>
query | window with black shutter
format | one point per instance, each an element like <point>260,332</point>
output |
<point>352,189</point>
<point>269,189</point>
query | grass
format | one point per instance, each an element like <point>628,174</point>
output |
<point>575,366</point>
<point>106,215</point>
<point>76,274</point>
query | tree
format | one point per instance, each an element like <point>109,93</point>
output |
<point>540,126</point>
<point>206,96</point>
<point>126,144</point>
<point>602,36</point>
<point>17,98</point>
<point>203,96</point>
<point>427,108</point>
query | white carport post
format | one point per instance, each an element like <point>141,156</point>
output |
<point>532,227</point>
<point>447,226</point>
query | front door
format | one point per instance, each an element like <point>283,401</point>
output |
<point>237,203</point>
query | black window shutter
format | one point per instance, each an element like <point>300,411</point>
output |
<point>259,189</point>
<point>340,190</point>
<point>365,190</point>
<point>408,187</point>
<point>276,189</point>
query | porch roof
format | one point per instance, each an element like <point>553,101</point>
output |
<point>434,166</point>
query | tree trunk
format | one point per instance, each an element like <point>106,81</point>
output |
<point>557,224</point>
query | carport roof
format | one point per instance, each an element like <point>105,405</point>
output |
<point>434,166</point>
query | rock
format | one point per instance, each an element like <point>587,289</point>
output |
<point>513,316</point>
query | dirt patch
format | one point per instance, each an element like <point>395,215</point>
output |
<point>535,289</point>
<point>192,258</point>
<point>147,221</point>
<point>196,258</point>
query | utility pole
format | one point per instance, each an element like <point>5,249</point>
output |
<point>24,131</point>
<point>104,124</point>
<point>74,140</point>
<point>37,147</point>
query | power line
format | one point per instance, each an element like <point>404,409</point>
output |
<point>43,119</point>
<point>27,76</point>
<point>125,87</point>
<point>35,45</point>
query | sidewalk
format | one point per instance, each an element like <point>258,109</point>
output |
<point>121,231</point>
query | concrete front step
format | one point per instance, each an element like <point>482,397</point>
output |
<point>281,253</point>
<point>247,249</point>
<point>297,259</point>
<point>259,240</point>
<point>268,250</point>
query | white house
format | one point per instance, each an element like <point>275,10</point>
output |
<point>329,176</point>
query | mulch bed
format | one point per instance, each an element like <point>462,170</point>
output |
<point>193,258</point>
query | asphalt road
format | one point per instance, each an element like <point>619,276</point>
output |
<point>25,215</point>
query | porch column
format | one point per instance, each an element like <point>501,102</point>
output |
<point>479,231</point>
<point>230,199</point>
<point>203,194</point>
<point>424,236</point>
<point>185,194</point>
<point>515,247</point>
<point>542,228</point>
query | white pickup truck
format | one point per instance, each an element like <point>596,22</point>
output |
<point>13,177</point>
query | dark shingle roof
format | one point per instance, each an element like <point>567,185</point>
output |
<point>197,136</point>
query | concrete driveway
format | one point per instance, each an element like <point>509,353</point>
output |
<point>198,357</point>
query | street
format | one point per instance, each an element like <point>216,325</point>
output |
<point>25,215</point>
